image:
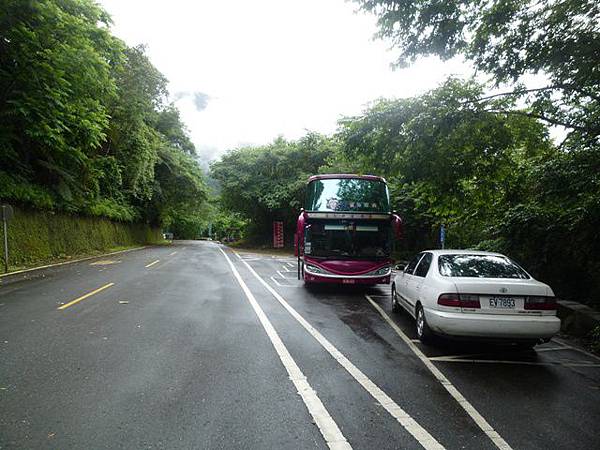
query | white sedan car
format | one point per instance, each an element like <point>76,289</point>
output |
<point>472,294</point>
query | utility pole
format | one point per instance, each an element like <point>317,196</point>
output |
<point>442,235</point>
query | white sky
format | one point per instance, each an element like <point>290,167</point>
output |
<point>269,67</point>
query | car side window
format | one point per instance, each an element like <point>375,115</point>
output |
<point>412,264</point>
<point>424,265</point>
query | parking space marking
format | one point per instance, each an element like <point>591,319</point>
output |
<point>462,401</point>
<point>285,285</point>
<point>292,277</point>
<point>327,426</point>
<point>152,263</point>
<point>417,431</point>
<point>570,347</point>
<point>523,363</point>
<point>551,349</point>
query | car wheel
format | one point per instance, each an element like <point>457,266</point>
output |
<point>395,305</point>
<point>424,333</point>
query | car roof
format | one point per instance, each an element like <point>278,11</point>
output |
<point>438,252</point>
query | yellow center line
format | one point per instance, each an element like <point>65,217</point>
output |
<point>152,263</point>
<point>83,297</point>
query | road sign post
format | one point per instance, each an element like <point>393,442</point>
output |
<point>7,213</point>
<point>277,234</point>
<point>442,236</point>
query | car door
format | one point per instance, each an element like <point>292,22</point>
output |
<point>419,276</point>
<point>406,289</point>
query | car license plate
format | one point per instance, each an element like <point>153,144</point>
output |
<point>348,281</point>
<point>502,302</point>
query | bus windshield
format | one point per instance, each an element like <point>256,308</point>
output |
<point>343,239</point>
<point>347,194</point>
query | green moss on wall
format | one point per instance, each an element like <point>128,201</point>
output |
<point>38,237</point>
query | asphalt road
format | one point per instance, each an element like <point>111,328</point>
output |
<point>195,346</point>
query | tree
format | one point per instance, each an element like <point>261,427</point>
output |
<point>84,123</point>
<point>448,159</point>
<point>55,82</point>
<point>266,183</point>
<point>510,39</point>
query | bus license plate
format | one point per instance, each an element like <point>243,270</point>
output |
<point>502,303</point>
<point>348,281</point>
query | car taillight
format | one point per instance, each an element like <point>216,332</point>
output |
<point>449,300</point>
<point>459,300</point>
<point>469,301</point>
<point>541,303</point>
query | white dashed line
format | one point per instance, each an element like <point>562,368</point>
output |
<point>462,401</point>
<point>409,424</point>
<point>329,429</point>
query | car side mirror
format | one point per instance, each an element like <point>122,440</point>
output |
<point>399,267</point>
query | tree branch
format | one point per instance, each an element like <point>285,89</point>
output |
<point>549,120</point>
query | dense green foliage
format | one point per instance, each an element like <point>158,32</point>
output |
<point>266,183</point>
<point>85,126</point>
<point>510,39</point>
<point>37,237</point>
<point>553,224</point>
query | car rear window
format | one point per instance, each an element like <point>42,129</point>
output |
<point>479,266</point>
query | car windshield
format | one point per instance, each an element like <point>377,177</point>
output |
<point>347,194</point>
<point>479,266</point>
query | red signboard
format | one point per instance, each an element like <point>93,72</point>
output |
<point>278,234</point>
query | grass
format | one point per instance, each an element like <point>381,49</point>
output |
<point>59,260</point>
<point>37,238</point>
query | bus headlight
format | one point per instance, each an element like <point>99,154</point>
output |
<point>314,269</point>
<point>383,271</point>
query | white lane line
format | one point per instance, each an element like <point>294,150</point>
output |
<point>329,429</point>
<point>152,263</point>
<point>551,349</point>
<point>409,424</point>
<point>292,277</point>
<point>171,254</point>
<point>276,282</point>
<point>522,363</point>
<point>564,344</point>
<point>462,401</point>
<point>284,285</point>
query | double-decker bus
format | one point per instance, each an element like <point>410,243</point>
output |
<point>345,232</point>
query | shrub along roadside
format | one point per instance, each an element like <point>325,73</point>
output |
<point>39,237</point>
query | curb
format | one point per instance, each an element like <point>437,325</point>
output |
<point>577,319</point>
<point>64,263</point>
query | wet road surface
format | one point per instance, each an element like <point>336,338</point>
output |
<point>196,346</point>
